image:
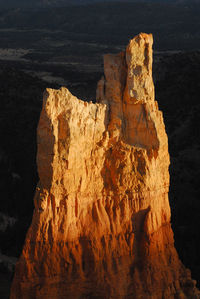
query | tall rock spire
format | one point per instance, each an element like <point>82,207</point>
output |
<point>101,224</point>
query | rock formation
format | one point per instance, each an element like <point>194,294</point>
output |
<point>101,225</point>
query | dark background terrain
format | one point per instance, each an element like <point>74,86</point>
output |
<point>48,46</point>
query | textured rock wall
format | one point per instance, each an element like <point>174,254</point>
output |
<point>101,224</point>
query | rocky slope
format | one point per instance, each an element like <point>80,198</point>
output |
<point>101,224</point>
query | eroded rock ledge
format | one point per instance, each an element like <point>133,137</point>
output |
<point>101,225</point>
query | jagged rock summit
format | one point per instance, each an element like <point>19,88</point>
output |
<point>101,225</point>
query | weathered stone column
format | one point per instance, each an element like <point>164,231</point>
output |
<point>101,225</point>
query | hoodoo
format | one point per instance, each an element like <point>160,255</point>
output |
<point>101,224</point>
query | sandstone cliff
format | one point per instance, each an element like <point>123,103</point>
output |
<point>101,224</point>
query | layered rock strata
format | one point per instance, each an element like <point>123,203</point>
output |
<point>101,225</point>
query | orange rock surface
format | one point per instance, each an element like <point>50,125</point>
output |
<point>101,225</point>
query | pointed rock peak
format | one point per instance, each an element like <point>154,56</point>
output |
<point>128,75</point>
<point>101,224</point>
<point>139,84</point>
<point>128,90</point>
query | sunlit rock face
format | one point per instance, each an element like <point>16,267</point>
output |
<point>101,224</point>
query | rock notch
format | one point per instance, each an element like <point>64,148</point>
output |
<point>101,225</point>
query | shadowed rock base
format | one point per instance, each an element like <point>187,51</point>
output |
<point>101,224</point>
